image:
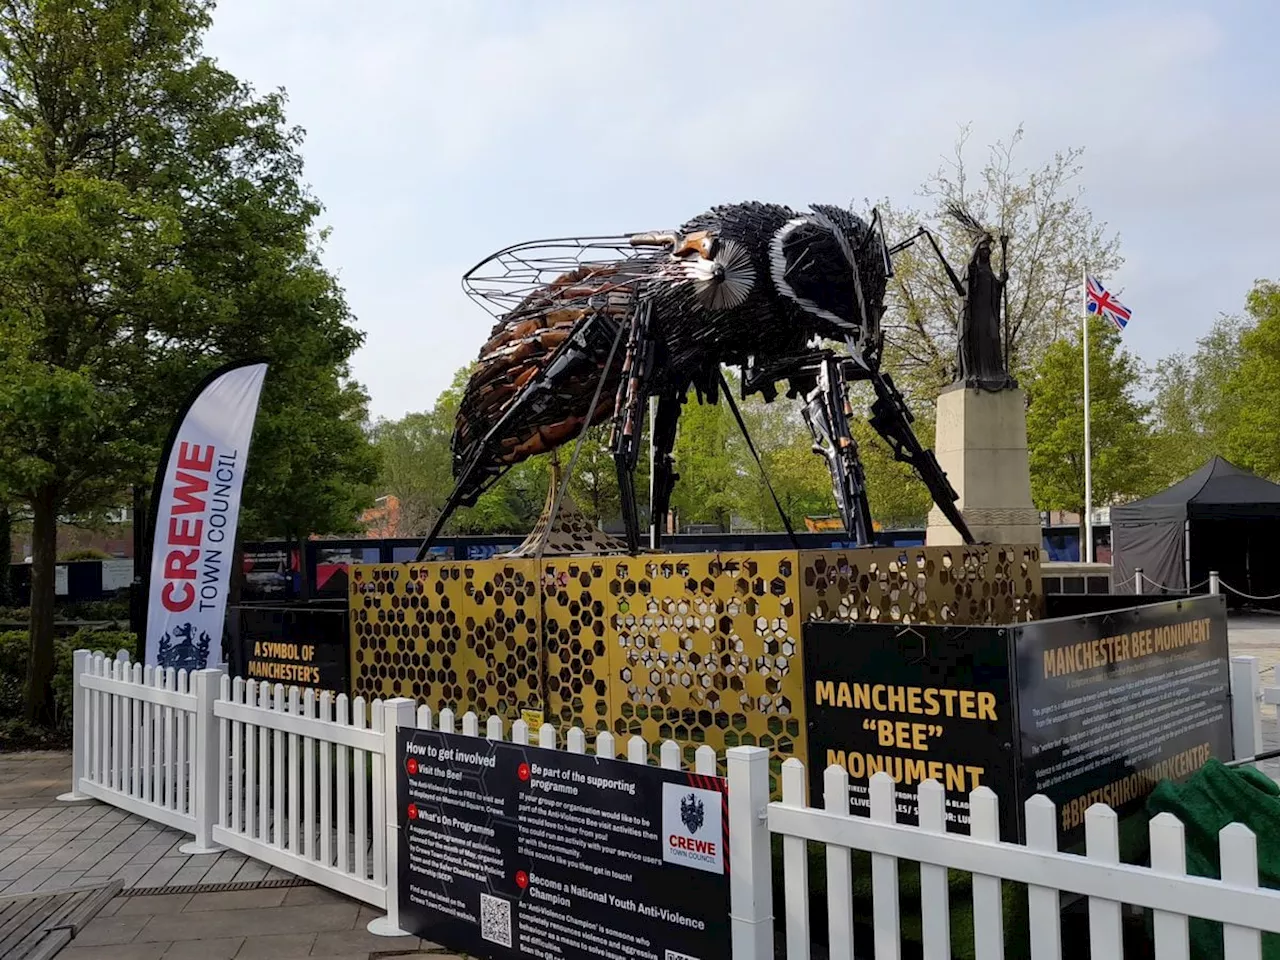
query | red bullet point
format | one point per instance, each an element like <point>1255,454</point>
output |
<point>413,811</point>
<point>523,771</point>
<point>522,879</point>
<point>412,766</point>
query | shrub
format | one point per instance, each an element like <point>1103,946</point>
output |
<point>16,733</point>
<point>116,610</point>
<point>83,553</point>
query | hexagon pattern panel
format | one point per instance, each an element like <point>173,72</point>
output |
<point>699,648</point>
<point>461,635</point>
<point>979,584</point>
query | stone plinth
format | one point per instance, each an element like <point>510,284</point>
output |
<point>981,442</point>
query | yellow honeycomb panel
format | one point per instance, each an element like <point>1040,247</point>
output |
<point>578,643</point>
<point>961,585</point>
<point>460,635</point>
<point>706,651</point>
<point>698,648</point>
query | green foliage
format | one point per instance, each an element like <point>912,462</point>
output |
<point>898,497</point>
<point>719,483</point>
<point>417,468</point>
<point>83,553</point>
<point>312,468</point>
<point>1055,423</point>
<point>1052,236</point>
<point>154,225</point>
<point>16,733</point>
<point>1195,407</point>
<point>1253,435</point>
<point>710,475</point>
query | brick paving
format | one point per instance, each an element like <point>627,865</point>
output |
<point>291,924</point>
<point>49,845</point>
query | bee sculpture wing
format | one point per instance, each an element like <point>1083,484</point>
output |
<point>505,282</point>
<point>540,293</point>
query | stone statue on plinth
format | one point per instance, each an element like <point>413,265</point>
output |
<point>981,430</point>
<point>982,359</point>
<point>980,342</point>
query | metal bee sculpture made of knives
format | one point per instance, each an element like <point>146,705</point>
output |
<point>589,329</point>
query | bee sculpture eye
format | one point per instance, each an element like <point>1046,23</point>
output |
<point>725,276</point>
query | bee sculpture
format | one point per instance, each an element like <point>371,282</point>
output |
<point>589,329</point>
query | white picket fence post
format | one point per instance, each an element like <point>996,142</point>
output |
<point>207,785</point>
<point>80,726</point>
<point>750,877</point>
<point>398,712</point>
<point>1246,707</point>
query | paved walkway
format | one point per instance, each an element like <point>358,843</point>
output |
<point>48,845</point>
<point>302,922</point>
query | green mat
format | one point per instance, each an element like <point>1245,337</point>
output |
<point>1213,797</point>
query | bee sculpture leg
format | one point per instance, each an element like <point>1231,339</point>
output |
<point>588,349</point>
<point>628,424</point>
<point>826,411</point>
<point>663,477</point>
<point>892,420</point>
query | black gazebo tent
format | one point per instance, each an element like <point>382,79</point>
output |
<point>1220,518</point>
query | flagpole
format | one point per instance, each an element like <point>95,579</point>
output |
<point>1088,451</point>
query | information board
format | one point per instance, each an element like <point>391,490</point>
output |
<point>1087,709</point>
<point>509,851</point>
<point>1111,704</point>
<point>918,703</point>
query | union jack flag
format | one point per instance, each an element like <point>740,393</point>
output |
<point>1098,301</point>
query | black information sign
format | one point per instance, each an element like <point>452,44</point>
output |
<point>509,851</point>
<point>918,703</point>
<point>1111,704</point>
<point>1088,709</point>
<point>299,646</point>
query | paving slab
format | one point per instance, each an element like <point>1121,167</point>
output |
<point>240,900</point>
<point>220,948</point>
<point>278,946</point>
<point>121,951</point>
<point>261,922</point>
<point>105,931</point>
<point>153,906</point>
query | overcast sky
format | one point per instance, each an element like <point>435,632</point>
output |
<point>440,132</point>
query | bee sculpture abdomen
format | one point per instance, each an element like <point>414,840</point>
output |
<point>518,349</point>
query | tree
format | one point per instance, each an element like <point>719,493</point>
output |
<point>152,226</point>
<point>417,469</point>
<point>314,468</point>
<point>897,496</point>
<point>1052,236</point>
<point>708,488</point>
<point>1195,408</point>
<point>1120,435</point>
<point>1253,437</point>
<point>6,556</point>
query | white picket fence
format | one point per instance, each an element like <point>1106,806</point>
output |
<point>1236,900</point>
<point>135,730</point>
<point>280,757</point>
<point>307,784</point>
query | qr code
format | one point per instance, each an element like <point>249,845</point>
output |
<point>495,920</point>
<point>677,955</point>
